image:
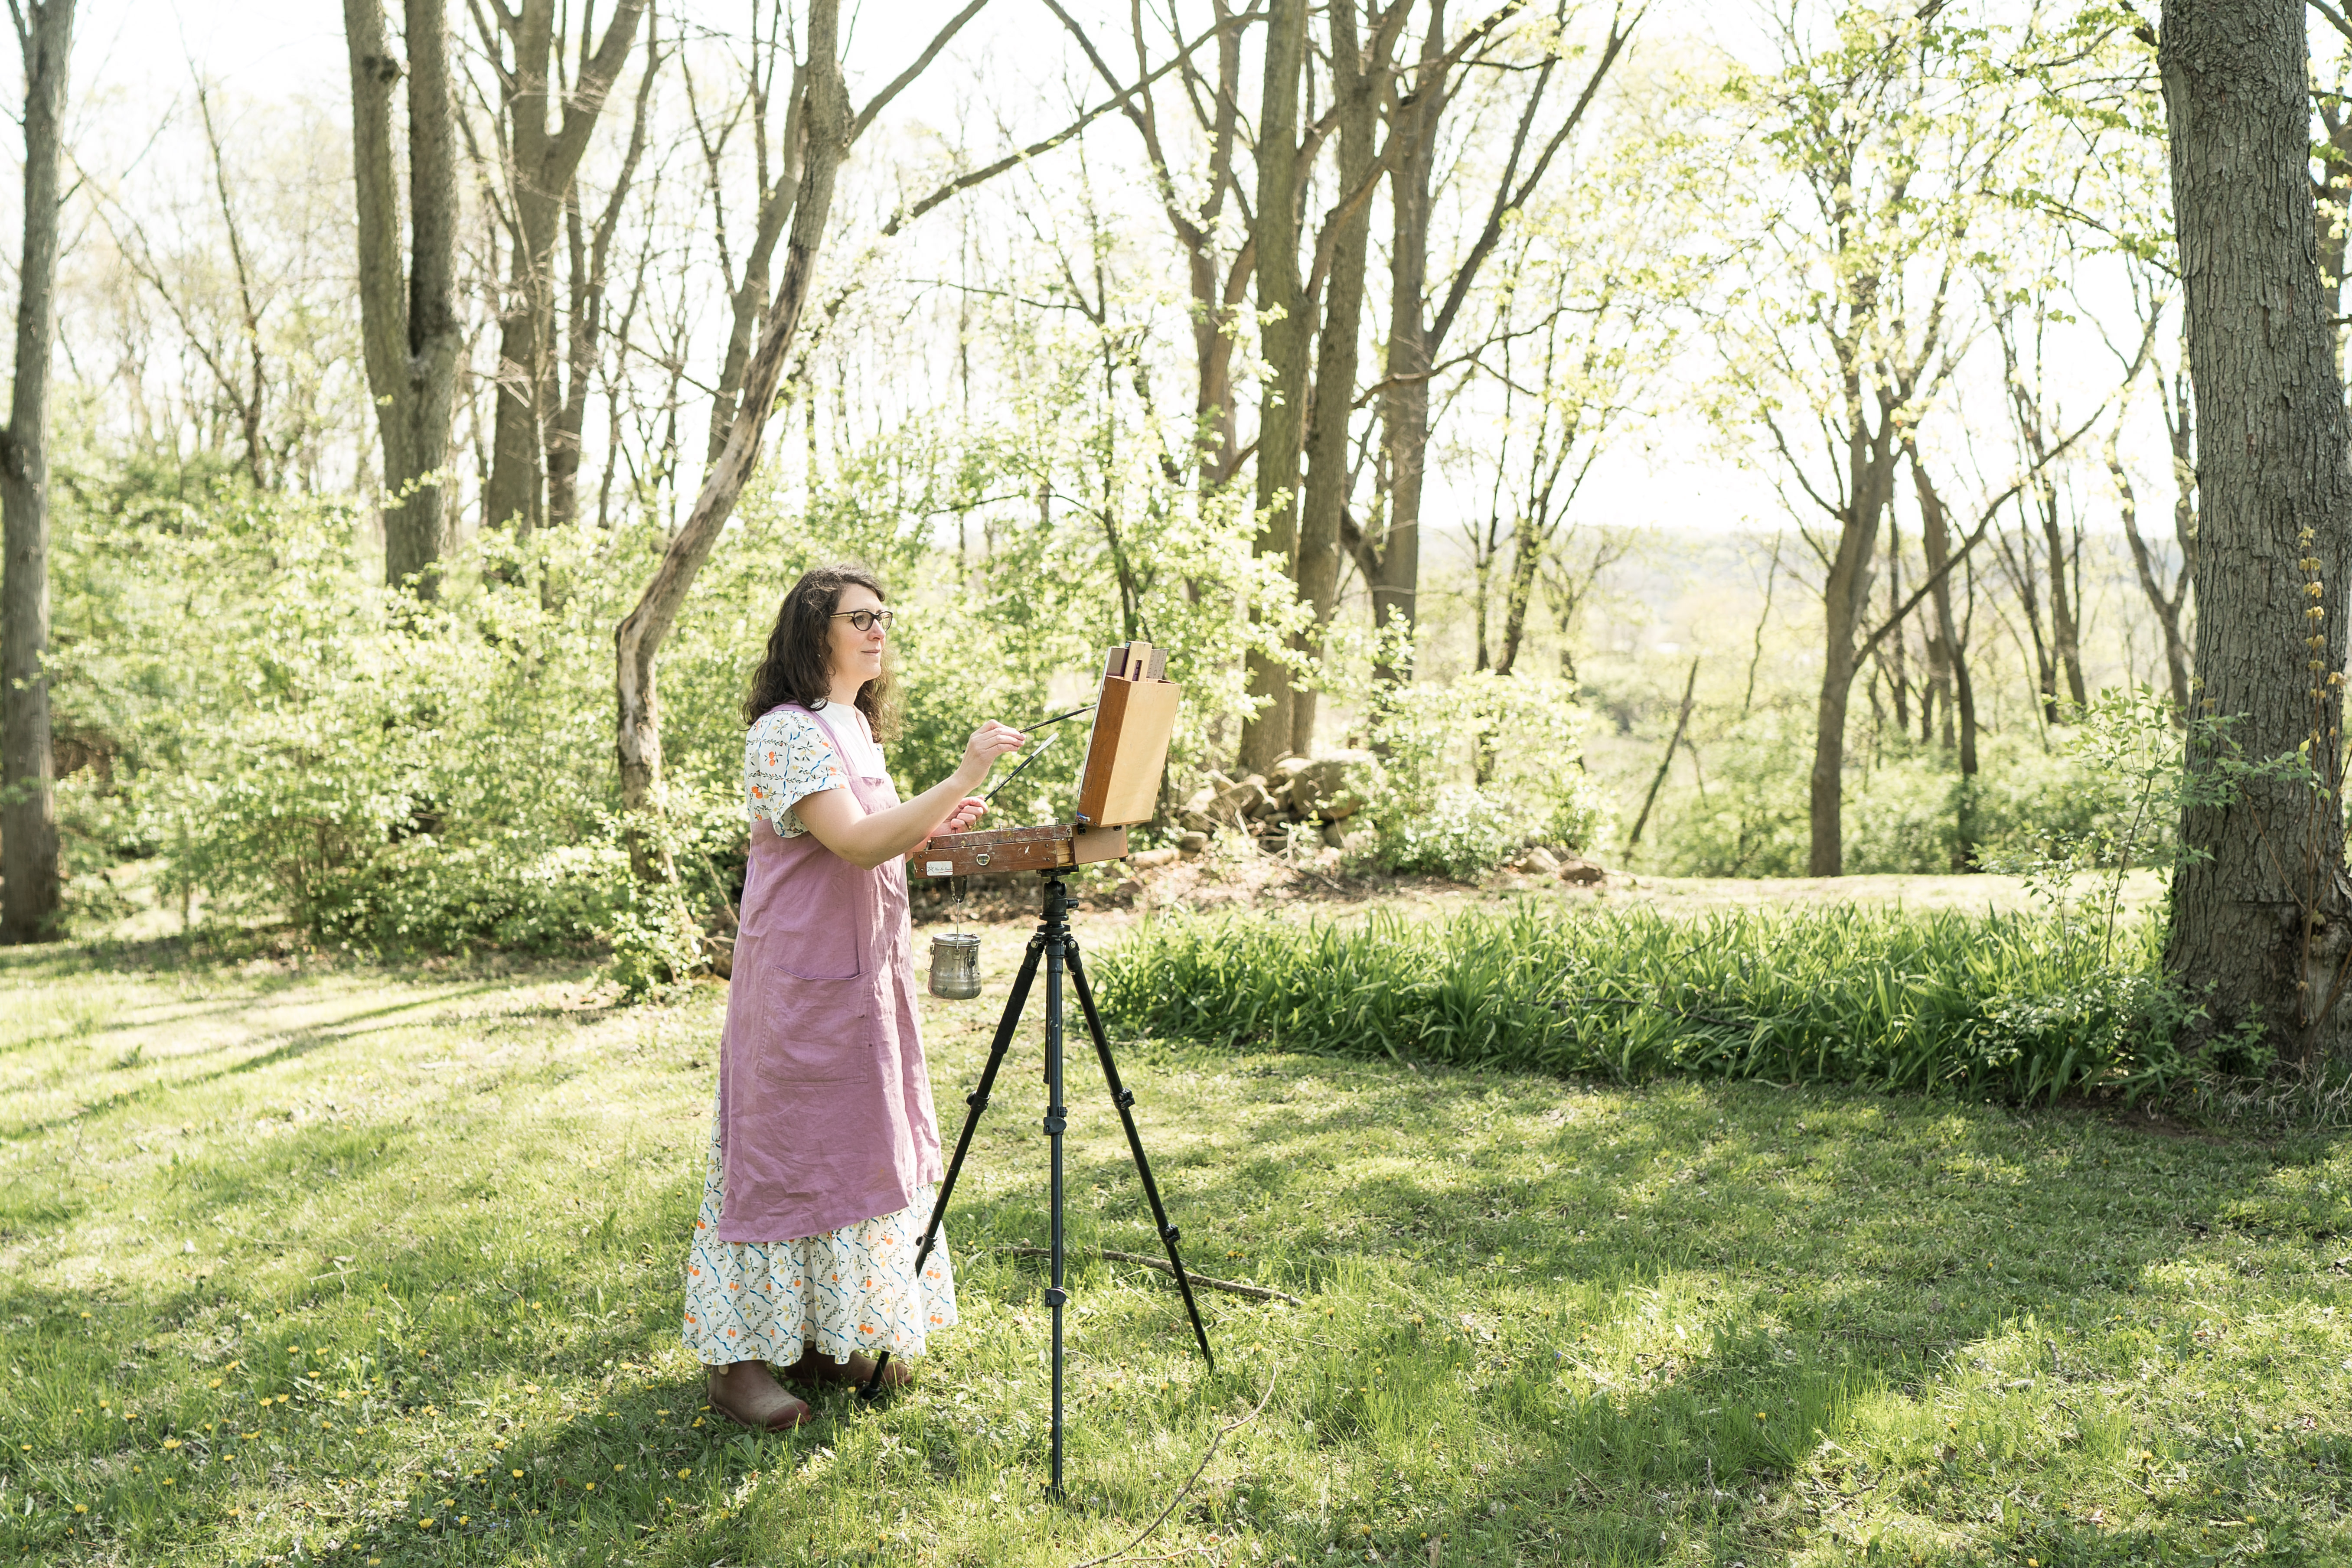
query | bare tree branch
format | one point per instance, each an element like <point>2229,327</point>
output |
<point>905,79</point>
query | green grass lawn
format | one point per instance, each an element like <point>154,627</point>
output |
<point>360,1267</point>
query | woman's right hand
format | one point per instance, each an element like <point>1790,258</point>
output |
<point>988,742</point>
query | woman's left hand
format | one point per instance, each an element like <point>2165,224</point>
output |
<point>962,815</point>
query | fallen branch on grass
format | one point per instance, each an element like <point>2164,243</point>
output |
<point>1222,1431</point>
<point>1235,1286</point>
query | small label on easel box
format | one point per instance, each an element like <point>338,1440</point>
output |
<point>939,868</point>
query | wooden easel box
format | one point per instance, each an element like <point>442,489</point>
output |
<point>1016,849</point>
<point>1135,718</point>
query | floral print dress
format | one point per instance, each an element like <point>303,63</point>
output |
<point>849,1290</point>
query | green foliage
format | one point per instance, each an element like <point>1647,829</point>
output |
<point>1475,770</point>
<point>295,741</point>
<point>655,944</point>
<point>2103,794</point>
<point>384,771</point>
<point>2020,1007</point>
<point>445,1222</point>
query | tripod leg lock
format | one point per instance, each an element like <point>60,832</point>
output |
<point>1054,1125</point>
<point>1125,1099</point>
<point>977,1100</point>
<point>1170,1235</point>
<point>1056,1297</point>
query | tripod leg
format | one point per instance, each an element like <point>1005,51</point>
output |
<point>1124,1099</point>
<point>978,1101</point>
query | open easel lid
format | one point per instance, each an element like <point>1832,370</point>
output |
<point>1135,717</point>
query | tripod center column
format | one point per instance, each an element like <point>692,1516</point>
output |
<point>1057,934</point>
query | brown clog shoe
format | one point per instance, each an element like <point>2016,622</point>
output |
<point>814,1370</point>
<point>748,1394</point>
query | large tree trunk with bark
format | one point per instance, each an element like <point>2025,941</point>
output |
<point>827,125</point>
<point>1286,333</point>
<point>1393,571</point>
<point>1948,659</point>
<point>1357,80</point>
<point>28,811</point>
<point>543,161</point>
<point>589,254</point>
<point>1391,560</point>
<point>409,333</point>
<point>2262,923</point>
<point>1845,597</point>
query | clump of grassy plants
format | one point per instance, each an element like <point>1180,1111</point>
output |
<point>2020,1007</point>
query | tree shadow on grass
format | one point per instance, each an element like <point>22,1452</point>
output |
<point>1843,1250</point>
<point>289,1046</point>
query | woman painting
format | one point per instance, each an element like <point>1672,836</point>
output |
<point>824,1155</point>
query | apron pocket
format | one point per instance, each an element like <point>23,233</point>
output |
<point>813,1031</point>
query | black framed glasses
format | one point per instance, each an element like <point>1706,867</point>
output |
<point>867,620</point>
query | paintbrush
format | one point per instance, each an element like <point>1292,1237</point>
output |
<point>1025,764</point>
<point>1058,718</point>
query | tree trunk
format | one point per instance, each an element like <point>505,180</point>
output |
<point>1357,84</point>
<point>1964,842</point>
<point>28,810</point>
<point>777,195</point>
<point>2168,607</point>
<point>1846,596</point>
<point>409,330</point>
<point>543,161</point>
<point>827,124</point>
<point>1286,334</point>
<point>2066,630</point>
<point>2259,909</point>
<point>1391,562</point>
<point>1948,659</point>
<point>1394,574</point>
<point>589,252</point>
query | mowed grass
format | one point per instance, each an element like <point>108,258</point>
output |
<point>361,1266</point>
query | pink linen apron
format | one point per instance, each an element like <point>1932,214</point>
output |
<point>824,1106</point>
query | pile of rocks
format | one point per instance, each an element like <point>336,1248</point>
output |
<point>1564,864</point>
<point>1325,792</point>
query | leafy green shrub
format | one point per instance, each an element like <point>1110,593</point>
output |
<point>2015,1006</point>
<point>1465,833</point>
<point>655,945</point>
<point>1750,819</point>
<point>506,892</point>
<point>1902,809</point>
<point>1479,769</point>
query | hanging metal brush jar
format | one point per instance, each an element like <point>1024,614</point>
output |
<point>955,956</point>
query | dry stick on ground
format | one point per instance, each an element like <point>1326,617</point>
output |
<point>1222,1433</point>
<point>1235,1286</point>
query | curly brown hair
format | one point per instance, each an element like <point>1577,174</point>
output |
<point>795,667</point>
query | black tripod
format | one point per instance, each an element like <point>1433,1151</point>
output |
<point>1054,942</point>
